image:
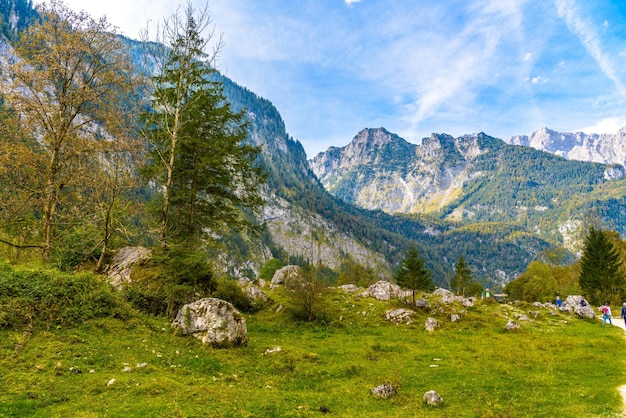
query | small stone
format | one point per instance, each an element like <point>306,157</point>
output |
<point>432,398</point>
<point>112,381</point>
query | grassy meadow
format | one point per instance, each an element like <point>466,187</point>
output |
<point>552,366</point>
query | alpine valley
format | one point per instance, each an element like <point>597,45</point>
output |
<point>498,205</point>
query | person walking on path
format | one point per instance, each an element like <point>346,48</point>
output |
<point>606,314</point>
<point>624,313</point>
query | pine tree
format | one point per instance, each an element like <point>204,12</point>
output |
<point>462,276</point>
<point>599,268</point>
<point>412,273</point>
<point>207,171</point>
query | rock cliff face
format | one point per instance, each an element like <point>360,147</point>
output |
<point>379,170</point>
<point>600,148</point>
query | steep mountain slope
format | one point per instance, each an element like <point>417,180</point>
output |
<point>473,179</point>
<point>600,148</point>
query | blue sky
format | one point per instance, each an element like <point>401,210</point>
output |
<point>334,67</point>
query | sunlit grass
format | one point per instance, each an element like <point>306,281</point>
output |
<point>552,366</point>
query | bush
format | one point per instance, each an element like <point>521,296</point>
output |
<point>229,290</point>
<point>173,278</point>
<point>306,297</point>
<point>266,272</point>
<point>37,298</point>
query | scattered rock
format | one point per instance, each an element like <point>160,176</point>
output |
<point>285,274</point>
<point>455,317</point>
<point>121,265</point>
<point>511,325</point>
<point>349,288</point>
<point>127,369</point>
<point>254,292</point>
<point>323,409</point>
<point>432,398</point>
<point>422,303</point>
<point>273,350</point>
<point>431,324</point>
<point>384,391</point>
<point>112,381</point>
<point>214,321</point>
<point>399,315</point>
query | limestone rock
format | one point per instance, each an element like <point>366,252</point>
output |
<point>431,324</point>
<point>455,317</point>
<point>383,290</point>
<point>214,321</point>
<point>432,398</point>
<point>422,303</point>
<point>511,325</point>
<point>285,274</point>
<point>120,268</point>
<point>254,292</point>
<point>399,315</point>
<point>349,288</point>
<point>384,391</point>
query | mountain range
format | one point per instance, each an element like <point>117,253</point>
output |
<point>497,205</point>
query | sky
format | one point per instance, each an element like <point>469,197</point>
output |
<point>415,67</point>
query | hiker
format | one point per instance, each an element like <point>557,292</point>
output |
<point>624,313</point>
<point>559,302</point>
<point>606,314</point>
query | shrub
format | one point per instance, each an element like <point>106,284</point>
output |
<point>37,298</point>
<point>229,290</point>
<point>266,272</point>
<point>171,279</point>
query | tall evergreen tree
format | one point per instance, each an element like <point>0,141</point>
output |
<point>412,273</point>
<point>207,171</point>
<point>462,276</point>
<point>600,276</point>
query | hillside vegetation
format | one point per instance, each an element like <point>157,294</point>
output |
<point>65,360</point>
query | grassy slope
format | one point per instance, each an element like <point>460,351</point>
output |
<point>555,365</point>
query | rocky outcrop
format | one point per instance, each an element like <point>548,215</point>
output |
<point>119,271</point>
<point>431,324</point>
<point>399,315</point>
<point>383,290</point>
<point>214,321</point>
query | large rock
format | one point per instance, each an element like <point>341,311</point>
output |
<point>383,290</point>
<point>399,315</point>
<point>121,265</point>
<point>254,292</point>
<point>214,321</point>
<point>285,274</point>
<point>579,306</point>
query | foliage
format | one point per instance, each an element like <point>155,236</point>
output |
<point>543,281</point>
<point>207,172</point>
<point>462,277</point>
<point>230,291</point>
<point>600,264</point>
<point>412,274</point>
<point>35,298</point>
<point>306,298</point>
<point>351,272</point>
<point>173,277</point>
<point>69,110</point>
<point>266,272</point>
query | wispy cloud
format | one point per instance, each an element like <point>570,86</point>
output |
<point>351,2</point>
<point>590,39</point>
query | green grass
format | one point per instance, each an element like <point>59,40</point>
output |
<point>552,366</point>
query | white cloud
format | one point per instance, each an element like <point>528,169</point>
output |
<point>605,126</point>
<point>528,56</point>
<point>350,2</point>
